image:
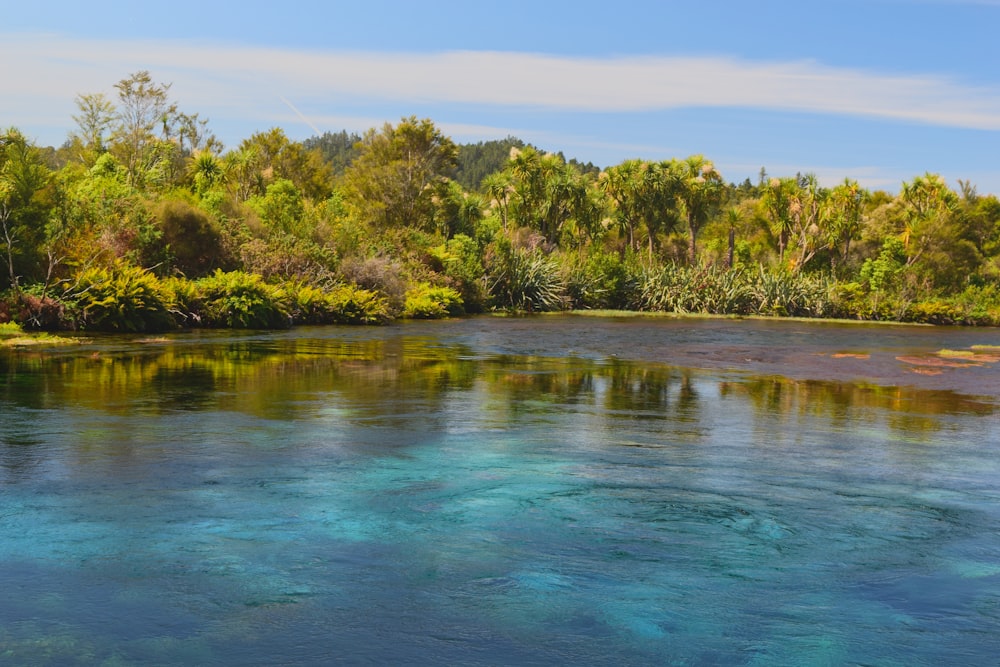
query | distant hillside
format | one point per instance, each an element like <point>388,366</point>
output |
<point>475,161</point>
<point>337,148</point>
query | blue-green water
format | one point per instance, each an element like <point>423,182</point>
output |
<point>504,491</point>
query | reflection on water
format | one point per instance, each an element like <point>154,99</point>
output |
<point>548,491</point>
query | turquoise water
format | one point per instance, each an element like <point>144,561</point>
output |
<point>504,491</point>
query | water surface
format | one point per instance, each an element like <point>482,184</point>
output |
<point>504,491</point>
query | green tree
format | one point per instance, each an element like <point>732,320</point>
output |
<point>337,148</point>
<point>268,156</point>
<point>778,204</point>
<point>499,188</point>
<point>392,182</point>
<point>456,211</point>
<point>843,215</point>
<point>144,106</point>
<point>206,172</point>
<point>190,239</point>
<point>700,192</point>
<point>924,206</point>
<point>243,172</point>
<point>22,217</point>
<point>107,217</point>
<point>548,195</point>
<point>622,187</point>
<point>807,207</point>
<point>95,120</point>
<point>643,196</point>
<point>281,207</point>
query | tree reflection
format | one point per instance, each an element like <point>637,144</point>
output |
<point>911,412</point>
<point>373,378</point>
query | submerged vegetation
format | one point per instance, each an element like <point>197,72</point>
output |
<point>142,221</point>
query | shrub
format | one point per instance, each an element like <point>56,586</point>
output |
<point>936,311</point>
<point>185,301</point>
<point>524,280</point>
<point>720,291</point>
<point>669,288</point>
<point>786,294</point>
<point>604,281</point>
<point>191,239</point>
<point>283,256</point>
<point>10,330</point>
<point>351,305</point>
<point>378,274</point>
<point>239,300</point>
<point>122,298</point>
<point>425,301</point>
<point>342,304</point>
<point>35,310</point>
<point>458,259</point>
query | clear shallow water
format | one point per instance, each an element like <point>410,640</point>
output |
<point>542,491</point>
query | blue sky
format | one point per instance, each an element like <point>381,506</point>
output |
<point>880,91</point>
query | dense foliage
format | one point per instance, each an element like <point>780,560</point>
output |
<point>142,221</point>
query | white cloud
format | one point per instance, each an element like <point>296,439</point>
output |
<point>249,82</point>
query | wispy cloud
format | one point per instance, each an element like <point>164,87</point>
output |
<point>232,77</point>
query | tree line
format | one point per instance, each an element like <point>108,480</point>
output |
<point>143,220</point>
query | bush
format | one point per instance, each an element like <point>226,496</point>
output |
<point>680,289</point>
<point>123,298</point>
<point>378,274</point>
<point>977,305</point>
<point>721,291</point>
<point>458,259</point>
<point>524,280</point>
<point>185,301</point>
<point>604,281</point>
<point>283,256</point>
<point>358,306</point>
<point>35,310</point>
<point>935,311</point>
<point>426,301</point>
<point>192,241</point>
<point>239,300</point>
<point>342,304</point>
<point>785,294</point>
<point>10,330</point>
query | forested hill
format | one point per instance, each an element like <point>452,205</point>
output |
<point>475,161</point>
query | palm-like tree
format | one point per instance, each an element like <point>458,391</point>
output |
<point>498,186</point>
<point>206,171</point>
<point>842,215</point>
<point>644,194</point>
<point>243,170</point>
<point>924,199</point>
<point>699,190</point>
<point>621,186</point>
<point>778,206</point>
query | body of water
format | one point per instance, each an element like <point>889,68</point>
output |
<point>556,490</point>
